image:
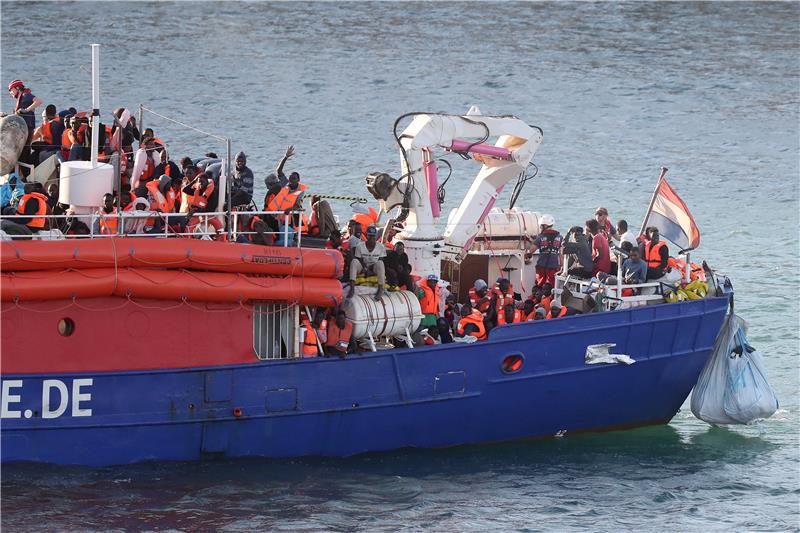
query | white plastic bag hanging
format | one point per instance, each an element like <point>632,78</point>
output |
<point>748,396</point>
<point>733,388</point>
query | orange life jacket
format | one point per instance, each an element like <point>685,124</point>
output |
<point>109,222</point>
<point>652,253</point>
<point>129,207</point>
<point>37,222</point>
<point>66,141</point>
<point>503,299</point>
<point>284,199</point>
<point>339,338</point>
<point>47,132</point>
<point>158,200</point>
<point>501,317</point>
<point>147,171</point>
<point>429,303</point>
<point>366,219</point>
<point>695,271</point>
<point>310,348</point>
<point>473,318</point>
<point>200,200</point>
<point>560,313</point>
<point>545,301</point>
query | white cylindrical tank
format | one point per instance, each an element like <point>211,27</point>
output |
<point>508,228</point>
<point>391,316</point>
<point>80,185</point>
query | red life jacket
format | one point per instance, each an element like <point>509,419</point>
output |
<point>478,302</point>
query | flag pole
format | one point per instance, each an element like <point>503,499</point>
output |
<point>653,198</point>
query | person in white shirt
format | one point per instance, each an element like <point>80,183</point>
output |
<point>368,258</point>
<point>625,235</point>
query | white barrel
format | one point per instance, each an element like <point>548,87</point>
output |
<point>82,185</point>
<point>507,228</point>
<point>391,316</point>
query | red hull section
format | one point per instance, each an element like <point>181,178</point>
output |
<point>110,334</point>
<point>170,253</point>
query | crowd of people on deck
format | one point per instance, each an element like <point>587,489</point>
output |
<point>585,253</point>
<point>175,197</point>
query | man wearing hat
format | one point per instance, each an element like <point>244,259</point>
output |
<point>428,294</point>
<point>368,258</point>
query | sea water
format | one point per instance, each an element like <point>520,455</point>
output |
<point>709,90</point>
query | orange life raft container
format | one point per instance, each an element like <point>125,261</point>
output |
<point>170,253</point>
<point>173,284</point>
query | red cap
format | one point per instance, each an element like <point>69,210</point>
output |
<point>16,84</point>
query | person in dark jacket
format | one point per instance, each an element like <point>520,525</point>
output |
<point>398,269</point>
<point>579,253</point>
<point>242,185</point>
<point>168,167</point>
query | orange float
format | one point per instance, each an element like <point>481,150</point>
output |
<point>170,253</point>
<point>174,284</point>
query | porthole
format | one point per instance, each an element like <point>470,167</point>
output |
<point>66,327</point>
<point>512,363</point>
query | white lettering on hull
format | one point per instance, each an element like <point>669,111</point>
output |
<point>58,398</point>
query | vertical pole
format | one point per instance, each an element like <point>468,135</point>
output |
<point>653,198</point>
<point>228,184</point>
<point>619,275</point>
<point>687,274</point>
<point>116,160</point>
<point>95,101</point>
<point>141,121</point>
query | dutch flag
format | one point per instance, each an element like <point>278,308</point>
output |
<point>670,215</point>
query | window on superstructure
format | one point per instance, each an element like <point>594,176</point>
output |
<point>274,330</point>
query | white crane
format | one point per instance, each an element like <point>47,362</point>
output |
<point>514,147</point>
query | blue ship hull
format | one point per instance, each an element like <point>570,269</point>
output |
<point>443,395</point>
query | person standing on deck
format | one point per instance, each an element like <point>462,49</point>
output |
<point>601,256</point>
<point>428,295</point>
<point>243,180</point>
<point>548,242</point>
<point>25,106</point>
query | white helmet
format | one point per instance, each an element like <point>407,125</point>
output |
<point>547,220</point>
<point>480,285</point>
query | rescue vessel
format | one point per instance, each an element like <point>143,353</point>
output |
<point>125,348</point>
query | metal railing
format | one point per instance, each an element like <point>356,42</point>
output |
<point>144,224</point>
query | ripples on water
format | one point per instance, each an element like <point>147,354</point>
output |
<point>709,90</point>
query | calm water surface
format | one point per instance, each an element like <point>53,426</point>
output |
<point>711,91</point>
